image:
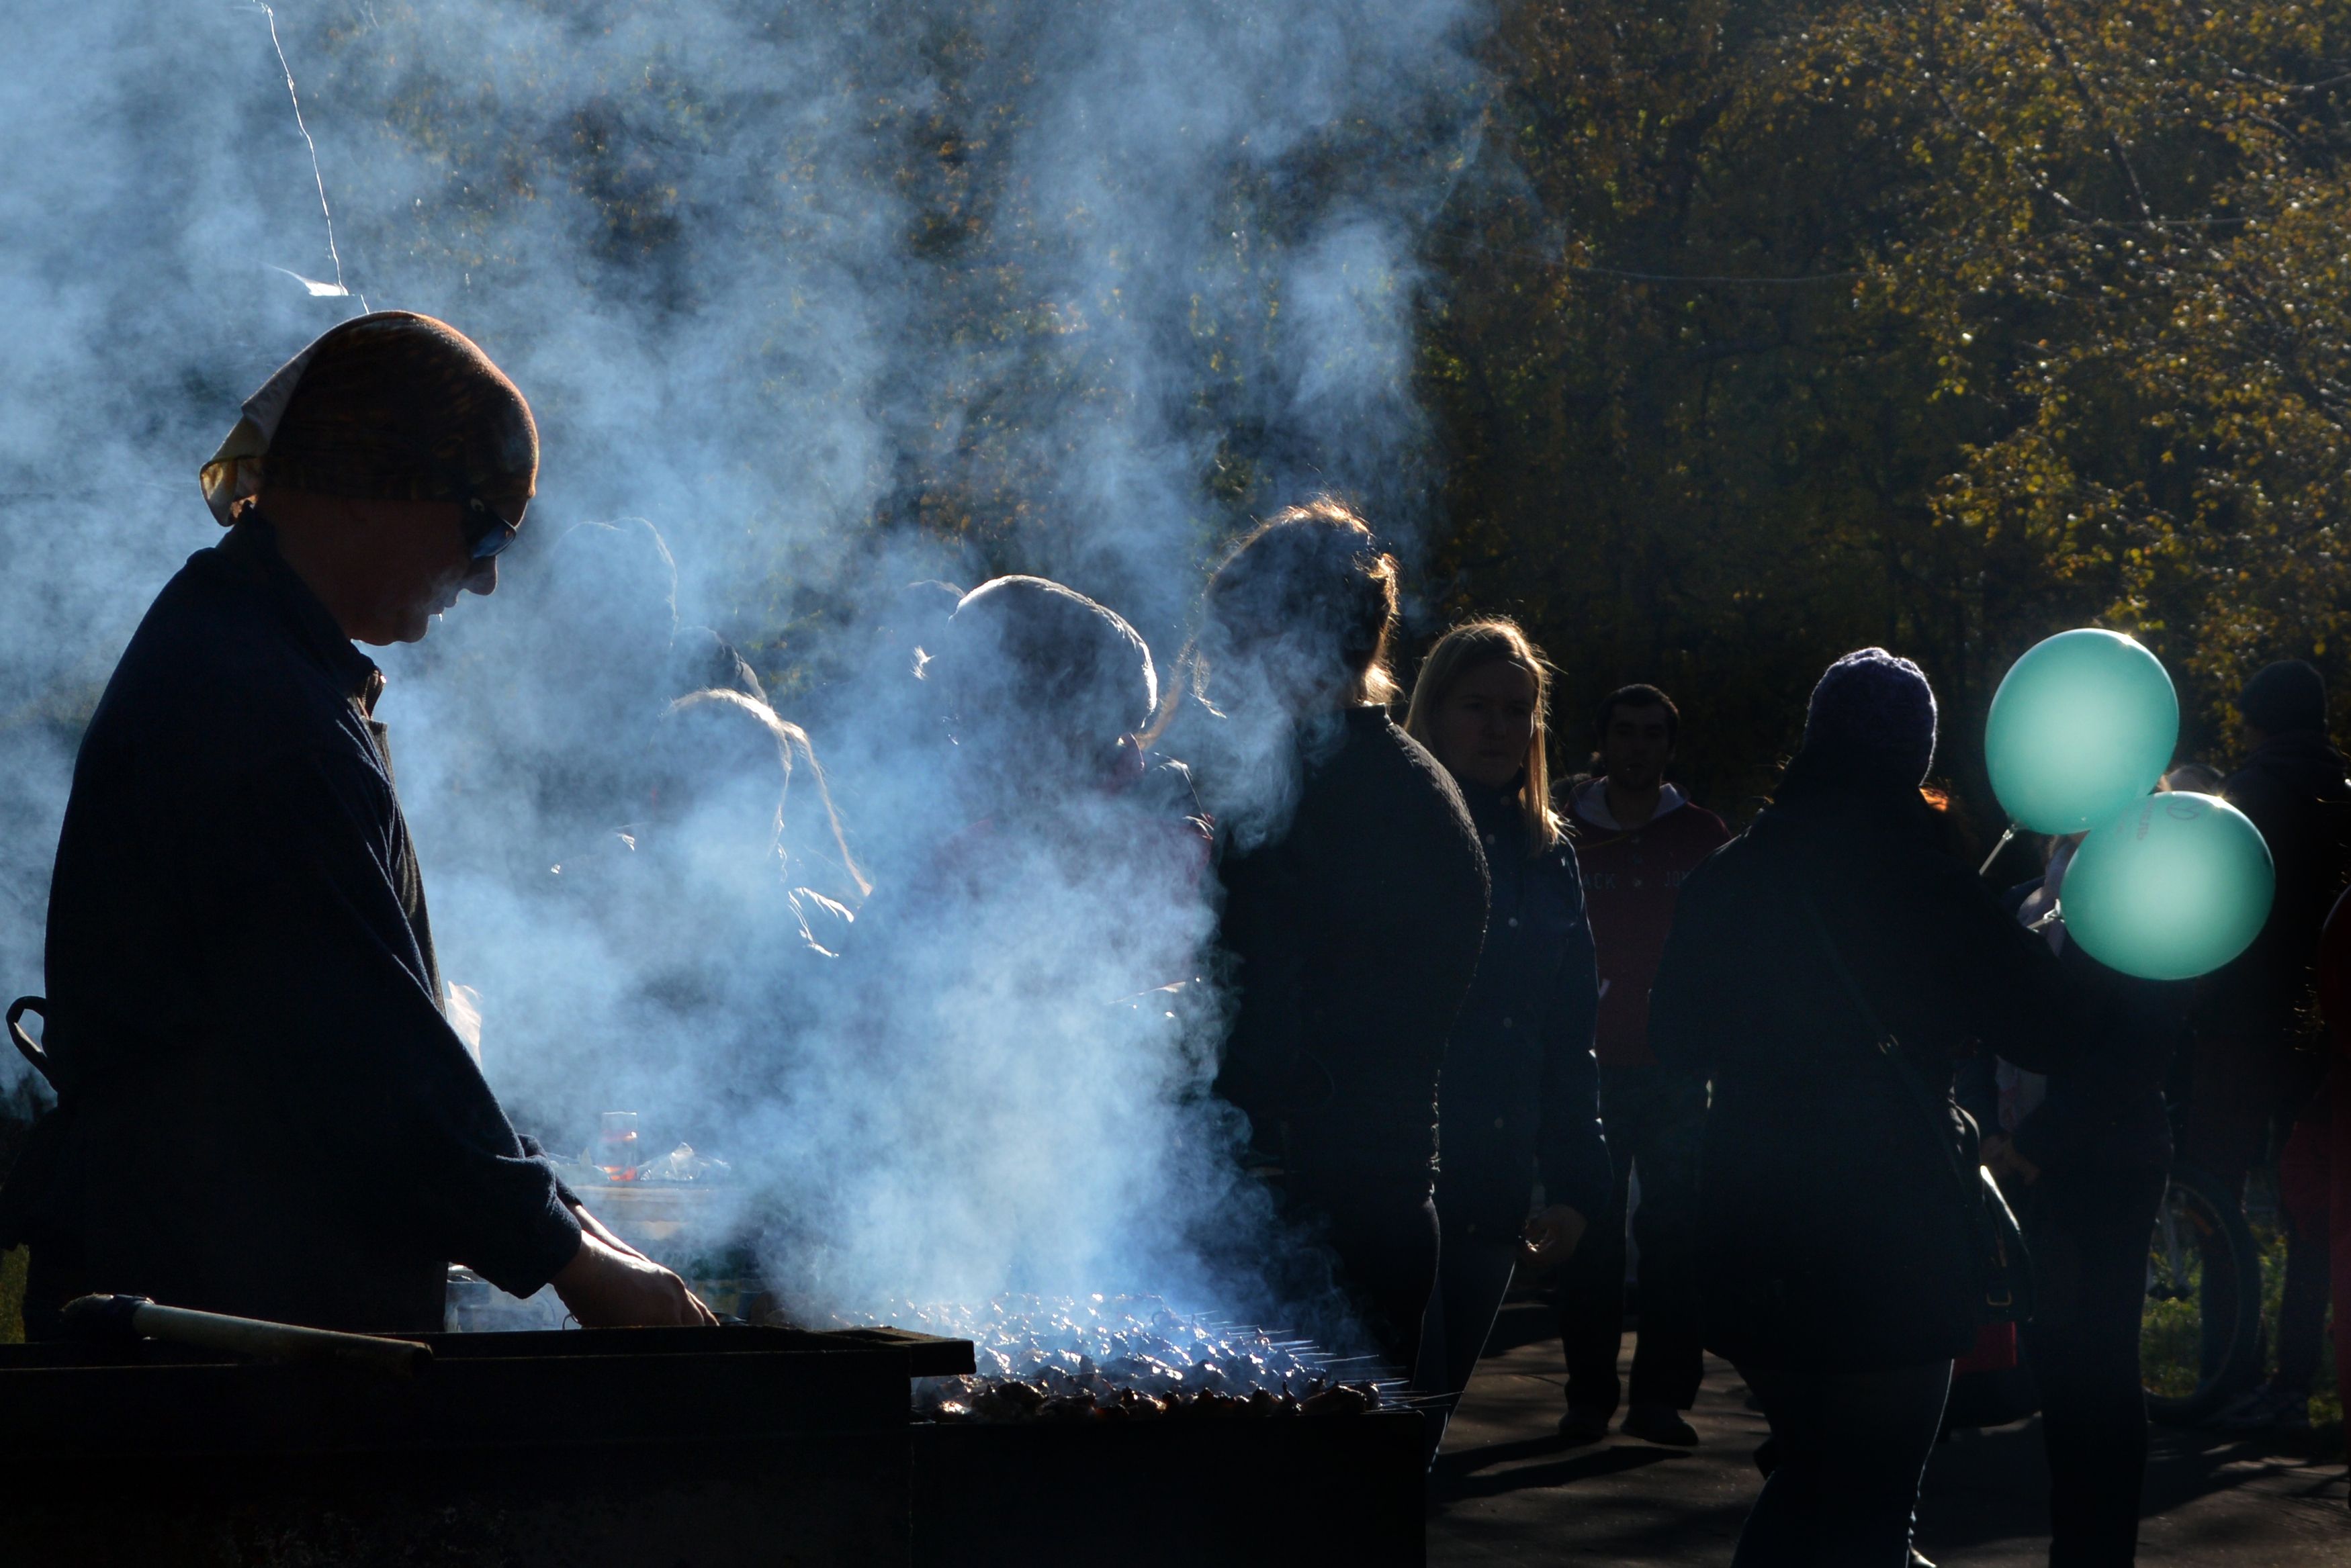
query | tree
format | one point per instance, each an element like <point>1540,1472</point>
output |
<point>1774,330</point>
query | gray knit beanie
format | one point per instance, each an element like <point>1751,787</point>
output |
<point>1873,711</point>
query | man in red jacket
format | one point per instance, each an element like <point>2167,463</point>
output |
<point>1637,837</point>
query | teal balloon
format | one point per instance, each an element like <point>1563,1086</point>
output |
<point>2175,888</point>
<point>2082,725</point>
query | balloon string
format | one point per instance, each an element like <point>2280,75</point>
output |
<point>2005,840</point>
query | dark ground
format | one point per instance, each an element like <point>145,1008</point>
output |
<point>1508,1492</point>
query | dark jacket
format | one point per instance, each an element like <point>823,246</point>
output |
<point>1520,1085</point>
<point>1832,1232</point>
<point>263,1110</point>
<point>2292,788</point>
<point>2107,1113</point>
<point>1354,938</point>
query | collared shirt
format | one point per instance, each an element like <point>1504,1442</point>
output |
<point>264,1110</point>
<point>1591,802</point>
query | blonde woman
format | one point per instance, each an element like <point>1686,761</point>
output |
<point>1520,1089</point>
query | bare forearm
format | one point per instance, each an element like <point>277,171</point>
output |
<point>609,1286</point>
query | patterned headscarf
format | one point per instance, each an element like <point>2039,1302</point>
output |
<point>388,407</point>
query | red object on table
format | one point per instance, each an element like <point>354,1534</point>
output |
<point>1995,1351</point>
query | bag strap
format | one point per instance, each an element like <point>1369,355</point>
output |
<point>25,1046</point>
<point>1889,1047</point>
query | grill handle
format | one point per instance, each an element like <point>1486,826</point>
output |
<point>120,1319</point>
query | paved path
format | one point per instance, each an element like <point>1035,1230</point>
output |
<point>1508,1492</point>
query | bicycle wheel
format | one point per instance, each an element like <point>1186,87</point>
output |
<point>2199,1334</point>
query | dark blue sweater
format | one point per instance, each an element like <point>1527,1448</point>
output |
<point>263,1109</point>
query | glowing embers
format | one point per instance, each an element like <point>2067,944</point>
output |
<point>1125,1358</point>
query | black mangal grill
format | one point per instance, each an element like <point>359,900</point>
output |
<point>1147,1436</point>
<point>718,1447</point>
<point>1171,1494</point>
<point>705,1446</point>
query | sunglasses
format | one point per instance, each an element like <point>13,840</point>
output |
<point>486,533</point>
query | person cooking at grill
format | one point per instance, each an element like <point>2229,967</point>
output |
<point>1520,1086</point>
<point>1355,919</point>
<point>261,1109</point>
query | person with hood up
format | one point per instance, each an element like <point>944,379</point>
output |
<point>1825,969</point>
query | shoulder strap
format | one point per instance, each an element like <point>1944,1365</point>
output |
<point>25,1046</point>
<point>1889,1047</point>
<point>1883,1038</point>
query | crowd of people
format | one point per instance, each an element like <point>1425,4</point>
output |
<point>1473,1008</point>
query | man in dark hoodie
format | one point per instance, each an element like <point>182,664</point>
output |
<point>2250,1015</point>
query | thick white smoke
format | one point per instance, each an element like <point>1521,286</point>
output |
<point>836,298</point>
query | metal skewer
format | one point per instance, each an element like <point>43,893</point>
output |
<point>2006,838</point>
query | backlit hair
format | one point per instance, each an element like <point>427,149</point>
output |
<point>1038,656</point>
<point>708,736</point>
<point>1472,646</point>
<point>1313,577</point>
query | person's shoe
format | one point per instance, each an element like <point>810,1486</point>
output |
<point>1584,1424</point>
<point>1660,1423</point>
<point>2266,1409</point>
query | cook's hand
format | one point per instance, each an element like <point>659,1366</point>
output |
<point>1552,1237</point>
<point>608,1288</point>
<point>2006,1165</point>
